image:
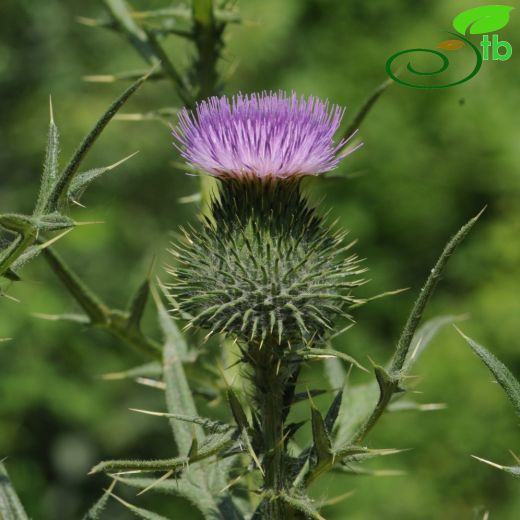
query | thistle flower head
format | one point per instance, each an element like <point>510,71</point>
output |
<point>261,135</point>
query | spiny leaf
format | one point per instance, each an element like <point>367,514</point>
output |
<point>83,180</point>
<point>214,444</point>
<point>95,512</point>
<point>33,251</point>
<point>482,19</point>
<point>50,166</point>
<point>423,337</point>
<point>365,109</point>
<point>302,504</point>
<point>61,187</point>
<point>502,374</point>
<point>405,340</point>
<point>10,506</point>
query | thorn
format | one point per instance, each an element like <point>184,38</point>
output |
<point>158,481</point>
<point>494,464</point>
<point>54,239</point>
<point>51,113</point>
<point>112,166</point>
<point>89,223</point>
<point>515,456</point>
<point>338,499</point>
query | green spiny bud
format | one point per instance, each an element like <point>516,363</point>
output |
<point>264,267</point>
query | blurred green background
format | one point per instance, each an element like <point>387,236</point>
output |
<point>431,160</point>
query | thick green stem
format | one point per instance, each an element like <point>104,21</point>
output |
<point>272,381</point>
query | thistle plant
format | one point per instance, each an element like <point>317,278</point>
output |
<point>265,268</point>
<point>263,276</point>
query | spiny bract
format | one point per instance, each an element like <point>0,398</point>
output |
<point>263,267</point>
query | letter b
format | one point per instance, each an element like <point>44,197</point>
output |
<point>497,45</point>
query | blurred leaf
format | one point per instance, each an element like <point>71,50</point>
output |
<point>502,374</point>
<point>149,369</point>
<point>423,337</point>
<point>10,506</point>
<point>482,19</point>
<point>138,304</point>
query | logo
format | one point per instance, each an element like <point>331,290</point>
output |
<point>481,20</point>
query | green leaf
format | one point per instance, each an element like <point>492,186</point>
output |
<point>302,504</point>
<point>16,223</point>
<point>403,345</point>
<point>424,336</point>
<point>179,398</point>
<point>50,165</point>
<point>333,411</point>
<point>61,187</point>
<point>204,488</point>
<point>138,304</point>
<point>502,374</point>
<point>236,409</point>
<point>83,180</point>
<point>320,436</point>
<point>482,19</point>
<point>95,512</point>
<point>10,506</point>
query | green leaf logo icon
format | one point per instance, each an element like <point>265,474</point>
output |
<point>483,19</point>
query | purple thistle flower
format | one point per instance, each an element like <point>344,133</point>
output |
<point>261,135</point>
